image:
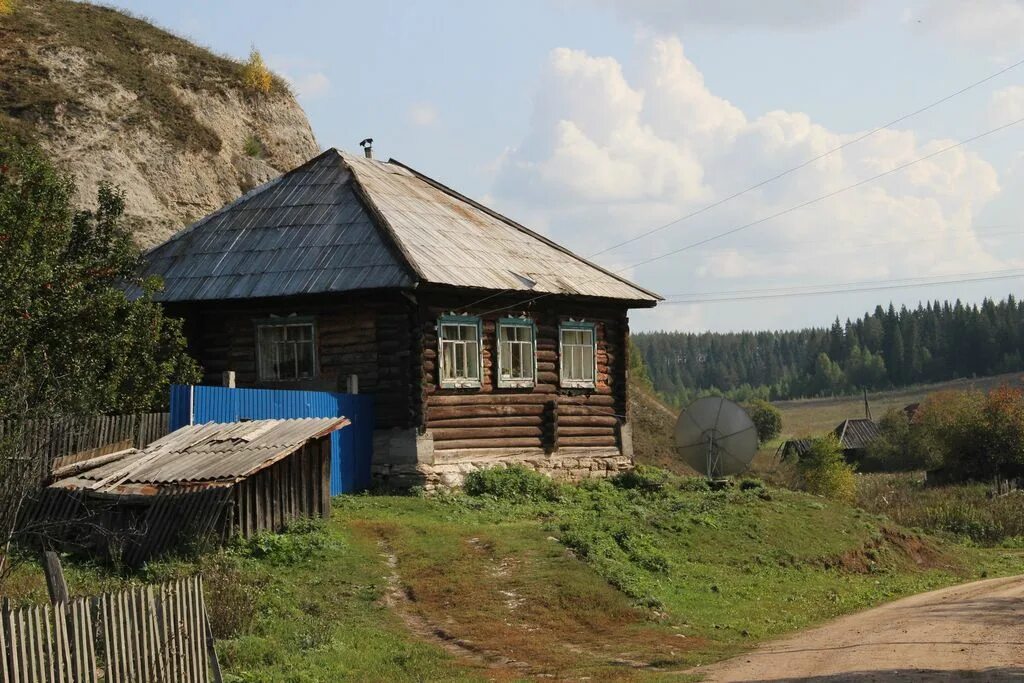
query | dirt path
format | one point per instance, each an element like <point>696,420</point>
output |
<point>971,632</point>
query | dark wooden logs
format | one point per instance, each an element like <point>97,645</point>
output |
<point>588,420</point>
<point>486,443</point>
<point>509,421</point>
<point>461,433</point>
<point>564,432</point>
<point>569,441</point>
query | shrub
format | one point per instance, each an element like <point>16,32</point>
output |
<point>252,147</point>
<point>510,483</point>
<point>642,477</point>
<point>6,7</point>
<point>767,418</point>
<point>302,539</point>
<point>233,598</point>
<point>255,75</point>
<point>899,447</point>
<point>824,472</point>
<point>974,435</point>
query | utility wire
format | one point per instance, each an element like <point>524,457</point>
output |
<point>798,288</point>
<point>781,295</point>
<point>824,154</point>
<point>783,212</point>
<point>823,197</point>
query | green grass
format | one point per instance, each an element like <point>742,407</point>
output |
<point>636,581</point>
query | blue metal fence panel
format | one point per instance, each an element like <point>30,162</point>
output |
<point>351,447</point>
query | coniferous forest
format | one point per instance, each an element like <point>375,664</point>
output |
<point>887,348</point>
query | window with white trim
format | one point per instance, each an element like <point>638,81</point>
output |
<point>286,350</point>
<point>459,339</point>
<point>578,347</point>
<point>517,352</point>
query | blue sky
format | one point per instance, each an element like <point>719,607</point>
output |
<point>594,120</point>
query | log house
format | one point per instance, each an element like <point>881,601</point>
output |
<point>483,343</point>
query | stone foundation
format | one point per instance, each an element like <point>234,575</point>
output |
<point>447,469</point>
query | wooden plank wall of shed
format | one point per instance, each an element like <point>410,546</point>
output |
<point>365,334</point>
<point>297,486</point>
<point>491,417</point>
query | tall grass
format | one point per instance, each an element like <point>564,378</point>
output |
<point>967,511</point>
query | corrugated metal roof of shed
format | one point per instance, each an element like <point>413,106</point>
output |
<point>216,451</point>
<point>314,230</point>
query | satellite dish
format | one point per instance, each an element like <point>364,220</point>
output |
<point>716,437</point>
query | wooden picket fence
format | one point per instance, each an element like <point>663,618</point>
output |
<point>148,634</point>
<point>47,440</point>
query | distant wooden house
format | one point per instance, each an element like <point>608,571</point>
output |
<point>855,436</point>
<point>482,341</point>
<point>201,481</point>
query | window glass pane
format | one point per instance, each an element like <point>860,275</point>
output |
<point>304,359</point>
<point>587,357</point>
<point>472,360</point>
<point>448,359</point>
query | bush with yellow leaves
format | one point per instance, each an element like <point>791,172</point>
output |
<point>6,7</point>
<point>255,74</point>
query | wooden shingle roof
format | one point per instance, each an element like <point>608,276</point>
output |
<point>342,222</point>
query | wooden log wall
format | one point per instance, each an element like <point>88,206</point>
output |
<point>365,334</point>
<point>544,416</point>
<point>297,486</point>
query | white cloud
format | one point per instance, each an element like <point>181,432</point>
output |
<point>306,77</point>
<point>995,27</point>
<point>608,156</point>
<point>423,114</point>
<point>1007,105</point>
<point>309,86</point>
<point>674,15</point>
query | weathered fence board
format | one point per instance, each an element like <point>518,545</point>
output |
<point>58,440</point>
<point>143,636</point>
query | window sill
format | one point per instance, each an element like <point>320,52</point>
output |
<point>460,385</point>
<point>516,384</point>
<point>569,384</point>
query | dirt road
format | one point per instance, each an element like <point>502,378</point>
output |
<point>972,632</point>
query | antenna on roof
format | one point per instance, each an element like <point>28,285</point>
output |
<point>867,408</point>
<point>367,145</point>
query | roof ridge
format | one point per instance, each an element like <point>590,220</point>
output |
<point>518,226</point>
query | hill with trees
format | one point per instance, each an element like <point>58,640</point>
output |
<point>887,348</point>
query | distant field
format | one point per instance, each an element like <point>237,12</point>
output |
<point>815,416</point>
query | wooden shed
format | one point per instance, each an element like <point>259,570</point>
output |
<point>482,341</point>
<point>210,480</point>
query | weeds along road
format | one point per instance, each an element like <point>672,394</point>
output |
<point>972,632</point>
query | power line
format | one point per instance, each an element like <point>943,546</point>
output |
<point>797,288</point>
<point>823,197</point>
<point>842,291</point>
<point>980,231</point>
<point>788,171</point>
<point>783,212</point>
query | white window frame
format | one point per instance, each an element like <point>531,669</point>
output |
<point>466,382</point>
<point>517,347</point>
<point>564,360</point>
<point>286,322</point>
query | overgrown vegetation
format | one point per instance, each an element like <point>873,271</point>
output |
<point>965,511</point>
<point>72,342</point>
<point>6,7</point>
<point>767,418</point>
<point>628,579</point>
<point>255,75</point>
<point>252,147</point>
<point>825,472</point>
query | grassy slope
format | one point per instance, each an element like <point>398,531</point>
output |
<point>608,582</point>
<point>482,588</point>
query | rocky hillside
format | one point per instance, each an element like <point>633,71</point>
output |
<point>113,98</point>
